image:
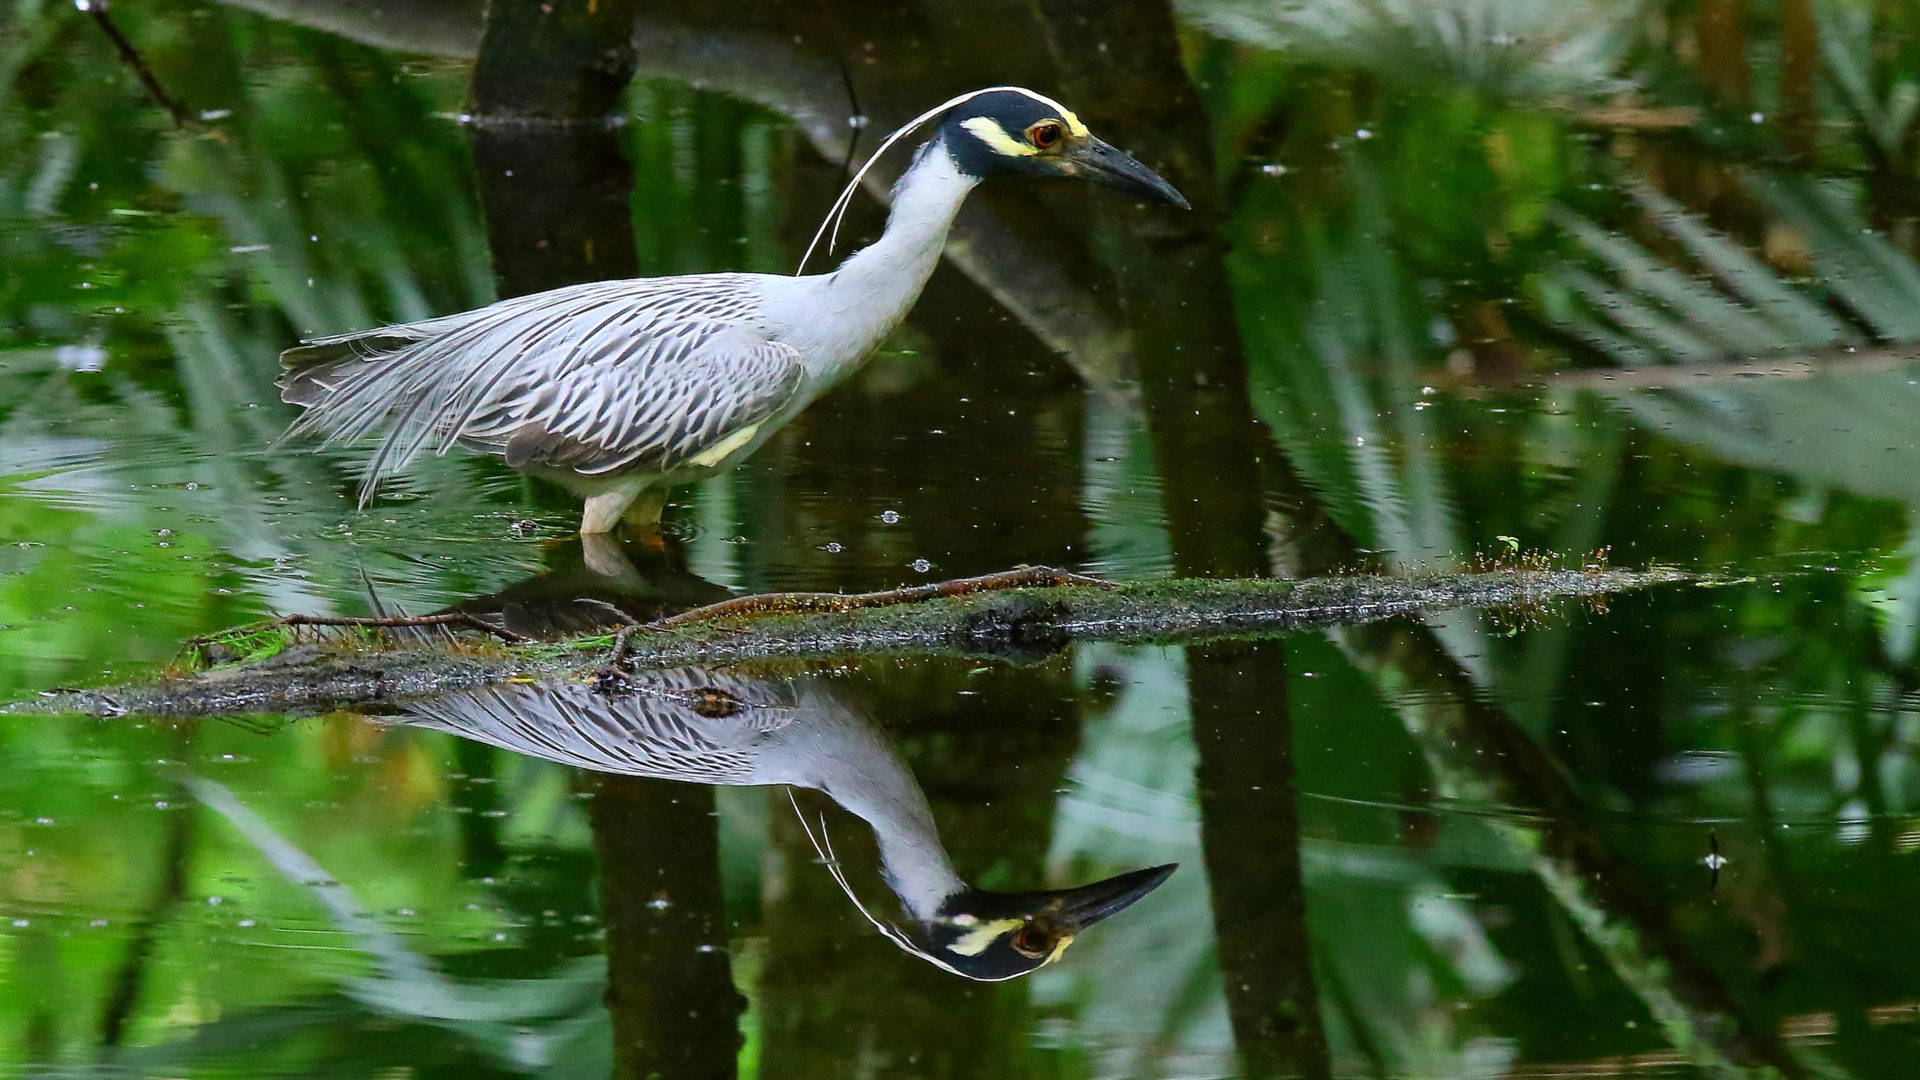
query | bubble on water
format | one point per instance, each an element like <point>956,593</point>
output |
<point>921,566</point>
<point>832,547</point>
<point>891,517</point>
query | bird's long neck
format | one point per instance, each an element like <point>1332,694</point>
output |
<point>858,305</point>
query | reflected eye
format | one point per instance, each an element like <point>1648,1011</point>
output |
<point>1033,942</point>
<point>1045,133</point>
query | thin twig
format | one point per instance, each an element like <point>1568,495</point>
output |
<point>856,120</point>
<point>611,670</point>
<point>108,706</point>
<point>1024,577</point>
<point>131,56</point>
<point>1667,376</point>
<point>457,618</point>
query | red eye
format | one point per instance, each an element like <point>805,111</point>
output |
<point>1032,942</point>
<point>1044,134</point>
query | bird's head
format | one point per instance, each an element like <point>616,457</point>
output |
<point>1014,132</point>
<point>992,936</point>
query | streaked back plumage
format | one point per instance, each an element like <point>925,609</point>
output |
<point>605,377</point>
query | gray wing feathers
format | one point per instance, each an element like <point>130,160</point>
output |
<point>598,378</point>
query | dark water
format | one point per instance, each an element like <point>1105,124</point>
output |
<point>1473,277</point>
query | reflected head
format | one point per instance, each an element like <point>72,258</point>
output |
<point>993,936</point>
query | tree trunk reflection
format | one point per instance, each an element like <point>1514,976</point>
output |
<point>669,980</point>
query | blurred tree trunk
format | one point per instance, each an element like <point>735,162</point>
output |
<point>554,187</point>
<point>1799,68</point>
<point>1723,51</point>
<point>1250,833</point>
<point>553,183</point>
<point>669,980</point>
<point>1120,63</point>
<point>1120,59</point>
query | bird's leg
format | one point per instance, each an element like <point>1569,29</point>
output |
<point>604,510</point>
<point>601,553</point>
<point>647,506</point>
<point>643,519</point>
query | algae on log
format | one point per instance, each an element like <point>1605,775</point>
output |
<point>364,668</point>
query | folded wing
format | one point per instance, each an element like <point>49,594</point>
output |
<point>611,377</point>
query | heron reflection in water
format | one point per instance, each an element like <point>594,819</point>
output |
<point>715,728</point>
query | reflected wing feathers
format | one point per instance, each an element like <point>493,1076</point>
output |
<point>600,378</point>
<point>656,730</point>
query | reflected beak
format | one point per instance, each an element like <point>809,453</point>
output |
<point>1091,159</point>
<point>1082,907</point>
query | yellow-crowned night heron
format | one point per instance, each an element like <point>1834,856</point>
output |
<point>714,728</point>
<point>620,390</point>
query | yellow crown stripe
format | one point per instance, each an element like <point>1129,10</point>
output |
<point>996,137</point>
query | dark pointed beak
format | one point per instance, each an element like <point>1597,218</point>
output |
<point>1091,159</point>
<point>1082,907</point>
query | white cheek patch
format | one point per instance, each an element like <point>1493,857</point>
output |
<point>996,137</point>
<point>975,941</point>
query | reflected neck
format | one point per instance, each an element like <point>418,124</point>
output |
<point>879,789</point>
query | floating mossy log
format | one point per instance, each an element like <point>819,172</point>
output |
<point>304,664</point>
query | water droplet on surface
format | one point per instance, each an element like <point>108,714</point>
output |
<point>921,566</point>
<point>891,517</point>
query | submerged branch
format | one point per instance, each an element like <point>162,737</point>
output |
<point>1004,615</point>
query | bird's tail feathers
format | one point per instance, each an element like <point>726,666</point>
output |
<point>430,385</point>
<point>373,382</point>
